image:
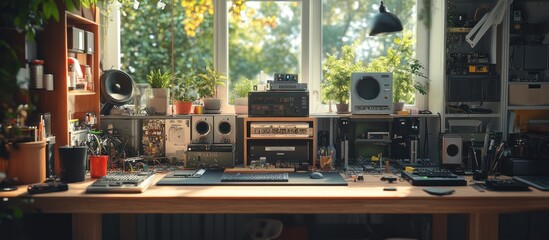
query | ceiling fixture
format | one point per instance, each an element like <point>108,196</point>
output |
<point>385,22</point>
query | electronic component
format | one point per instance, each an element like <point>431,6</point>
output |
<point>153,137</point>
<point>53,186</point>
<point>496,184</point>
<point>280,129</point>
<point>125,182</point>
<point>433,177</point>
<point>178,135</point>
<point>285,77</point>
<point>278,104</point>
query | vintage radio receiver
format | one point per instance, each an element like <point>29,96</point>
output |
<point>286,86</point>
<point>278,104</point>
<point>285,77</point>
<point>287,154</point>
<point>280,129</point>
<point>210,156</point>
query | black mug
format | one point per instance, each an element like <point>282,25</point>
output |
<point>73,163</point>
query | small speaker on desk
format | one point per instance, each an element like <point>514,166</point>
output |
<point>451,149</point>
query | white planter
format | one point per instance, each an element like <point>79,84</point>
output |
<point>241,105</point>
<point>212,104</point>
<point>159,101</point>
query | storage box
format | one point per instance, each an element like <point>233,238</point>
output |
<point>529,93</point>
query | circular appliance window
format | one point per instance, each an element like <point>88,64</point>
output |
<point>202,127</point>
<point>224,128</point>
<point>367,88</point>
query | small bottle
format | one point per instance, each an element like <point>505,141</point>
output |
<point>89,79</point>
<point>72,77</point>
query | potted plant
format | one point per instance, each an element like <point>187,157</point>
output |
<point>241,90</point>
<point>399,60</point>
<point>184,94</point>
<point>207,84</point>
<point>160,82</point>
<point>337,77</point>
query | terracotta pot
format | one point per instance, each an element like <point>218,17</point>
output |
<point>182,107</point>
<point>27,163</point>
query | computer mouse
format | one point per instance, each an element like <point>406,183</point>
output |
<point>316,175</point>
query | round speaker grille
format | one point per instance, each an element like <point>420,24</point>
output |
<point>452,150</point>
<point>224,128</point>
<point>202,127</point>
<point>367,88</point>
<point>116,87</point>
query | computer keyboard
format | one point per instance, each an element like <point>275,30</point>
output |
<point>539,182</point>
<point>434,172</point>
<point>254,177</point>
<point>496,184</point>
<point>431,176</point>
<point>123,182</point>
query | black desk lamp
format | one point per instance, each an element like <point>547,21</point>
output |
<point>385,22</point>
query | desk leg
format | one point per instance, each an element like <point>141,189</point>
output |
<point>483,226</point>
<point>86,226</point>
<point>440,226</point>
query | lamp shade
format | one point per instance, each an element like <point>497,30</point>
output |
<point>385,22</point>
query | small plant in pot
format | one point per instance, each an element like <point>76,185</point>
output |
<point>337,77</point>
<point>241,90</point>
<point>399,60</point>
<point>184,94</point>
<point>207,84</point>
<point>160,83</point>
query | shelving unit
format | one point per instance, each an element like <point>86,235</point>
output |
<point>472,85</point>
<point>62,103</point>
<point>250,141</point>
<point>526,58</point>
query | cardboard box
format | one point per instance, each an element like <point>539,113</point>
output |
<point>529,93</point>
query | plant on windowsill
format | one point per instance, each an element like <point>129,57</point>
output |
<point>184,94</point>
<point>337,77</point>
<point>160,83</point>
<point>399,60</point>
<point>241,90</point>
<point>207,84</point>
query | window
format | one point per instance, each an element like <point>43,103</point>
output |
<point>264,38</point>
<point>284,36</point>
<point>146,41</point>
<point>346,22</point>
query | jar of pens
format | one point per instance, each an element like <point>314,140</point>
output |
<point>326,156</point>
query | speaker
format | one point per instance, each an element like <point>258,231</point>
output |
<point>202,129</point>
<point>451,149</point>
<point>372,93</point>
<point>117,88</point>
<point>225,129</point>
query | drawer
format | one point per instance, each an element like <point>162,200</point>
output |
<point>529,93</point>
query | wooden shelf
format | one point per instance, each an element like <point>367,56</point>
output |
<point>52,47</point>
<point>311,139</point>
<point>80,92</point>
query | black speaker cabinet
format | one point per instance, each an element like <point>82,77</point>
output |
<point>451,149</point>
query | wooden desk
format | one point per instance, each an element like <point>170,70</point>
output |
<point>360,197</point>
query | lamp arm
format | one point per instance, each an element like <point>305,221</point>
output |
<point>490,19</point>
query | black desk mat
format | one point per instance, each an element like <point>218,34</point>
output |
<point>213,178</point>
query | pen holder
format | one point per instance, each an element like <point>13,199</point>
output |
<point>326,163</point>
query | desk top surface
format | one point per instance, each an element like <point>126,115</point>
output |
<point>366,196</point>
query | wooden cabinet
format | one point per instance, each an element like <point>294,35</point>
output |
<point>277,140</point>
<point>53,48</point>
